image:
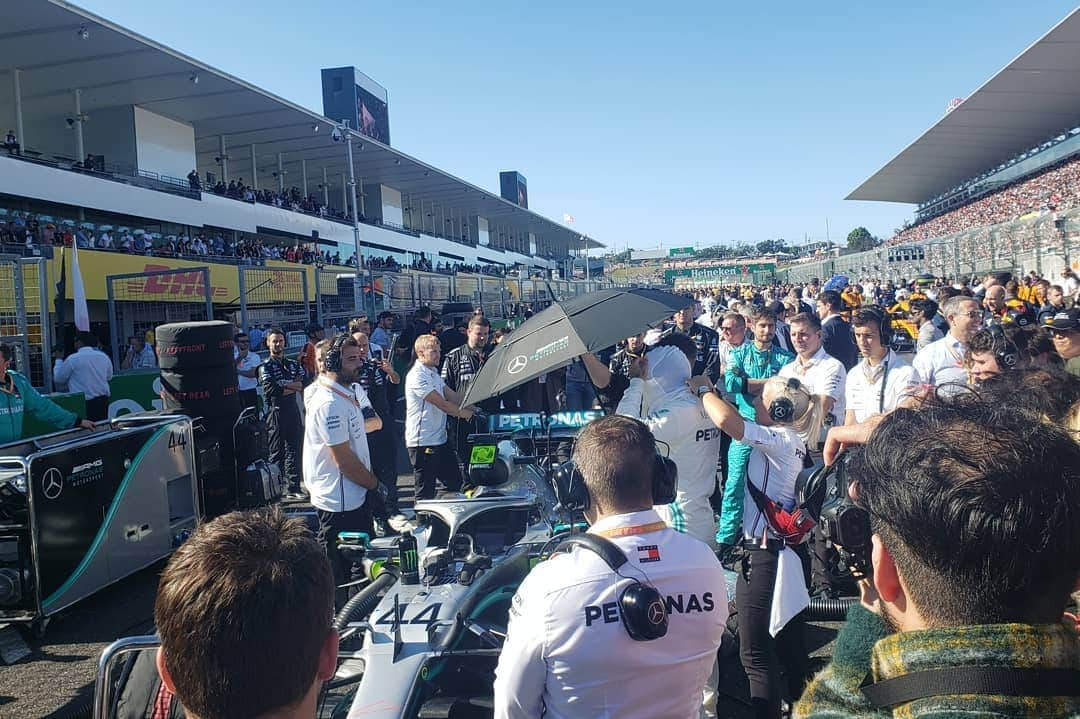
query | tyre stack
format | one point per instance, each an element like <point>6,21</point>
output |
<point>198,377</point>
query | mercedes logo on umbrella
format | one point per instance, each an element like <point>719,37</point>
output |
<point>657,615</point>
<point>517,364</point>
<point>52,484</point>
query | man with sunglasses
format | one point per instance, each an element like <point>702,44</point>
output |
<point>942,362</point>
<point>247,370</point>
<point>1065,328</point>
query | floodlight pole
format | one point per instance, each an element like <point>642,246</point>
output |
<point>347,135</point>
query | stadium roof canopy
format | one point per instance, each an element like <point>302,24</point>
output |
<point>1033,98</point>
<point>115,67</point>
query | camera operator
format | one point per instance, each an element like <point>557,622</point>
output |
<point>970,558</point>
<point>337,461</point>
<point>567,651</point>
<point>244,610</point>
<point>428,401</point>
<point>377,376</point>
<point>775,563</point>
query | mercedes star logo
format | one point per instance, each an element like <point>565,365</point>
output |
<point>657,613</point>
<point>52,484</point>
<point>517,364</point>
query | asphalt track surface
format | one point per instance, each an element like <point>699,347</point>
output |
<point>57,678</point>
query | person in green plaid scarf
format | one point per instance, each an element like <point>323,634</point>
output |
<point>975,511</point>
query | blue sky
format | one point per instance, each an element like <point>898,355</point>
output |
<point>681,123</point>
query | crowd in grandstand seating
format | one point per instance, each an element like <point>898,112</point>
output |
<point>1054,189</point>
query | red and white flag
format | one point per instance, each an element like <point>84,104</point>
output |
<point>567,218</point>
<point>82,316</point>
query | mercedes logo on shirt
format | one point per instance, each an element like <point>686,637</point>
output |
<point>517,364</point>
<point>656,613</point>
<point>52,484</point>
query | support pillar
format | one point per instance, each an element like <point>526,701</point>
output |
<point>303,173</point>
<point>80,150</point>
<point>224,159</point>
<point>254,170</point>
<point>16,87</point>
<point>280,174</point>
<point>344,193</point>
<point>325,190</point>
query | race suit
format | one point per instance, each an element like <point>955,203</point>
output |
<point>745,361</point>
<point>284,423</point>
<point>18,397</point>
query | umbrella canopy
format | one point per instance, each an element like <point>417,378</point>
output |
<point>554,337</point>
<point>836,282</point>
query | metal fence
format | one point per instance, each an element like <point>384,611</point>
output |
<point>340,295</point>
<point>276,296</point>
<point>24,316</point>
<point>140,301</point>
<point>1045,244</point>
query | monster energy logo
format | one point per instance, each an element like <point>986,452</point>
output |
<point>408,560</point>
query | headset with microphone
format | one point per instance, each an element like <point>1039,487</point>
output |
<point>782,408</point>
<point>874,313</point>
<point>641,606</point>
<point>332,356</point>
<point>1005,350</point>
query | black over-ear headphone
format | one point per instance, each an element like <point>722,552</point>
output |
<point>332,356</point>
<point>570,491</point>
<point>885,330</point>
<point>782,409</point>
<point>1005,350</point>
<point>641,606</point>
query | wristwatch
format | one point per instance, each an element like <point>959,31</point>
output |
<point>703,390</point>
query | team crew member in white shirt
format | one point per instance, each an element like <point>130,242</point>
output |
<point>247,370</point>
<point>88,371</point>
<point>775,462</point>
<point>942,362</point>
<point>882,380</point>
<point>336,460</point>
<point>567,653</point>
<point>822,374</point>
<point>428,401</point>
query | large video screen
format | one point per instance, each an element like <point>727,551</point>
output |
<point>372,116</point>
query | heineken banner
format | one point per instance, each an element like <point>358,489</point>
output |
<point>721,272</point>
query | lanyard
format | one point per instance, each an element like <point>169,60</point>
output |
<point>631,531</point>
<point>351,399</point>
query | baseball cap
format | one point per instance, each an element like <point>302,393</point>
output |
<point>1066,319</point>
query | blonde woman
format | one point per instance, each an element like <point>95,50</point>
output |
<point>767,637</point>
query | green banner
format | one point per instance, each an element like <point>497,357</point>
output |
<point>681,252</point>
<point>721,272</point>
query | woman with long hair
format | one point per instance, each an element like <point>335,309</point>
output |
<point>771,643</point>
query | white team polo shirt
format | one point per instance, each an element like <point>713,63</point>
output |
<point>942,362</point>
<point>334,415</point>
<point>252,361</point>
<point>425,424</point>
<point>773,467</point>
<point>823,374</point>
<point>867,394</point>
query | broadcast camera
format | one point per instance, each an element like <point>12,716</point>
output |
<point>824,493</point>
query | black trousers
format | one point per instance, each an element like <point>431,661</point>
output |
<point>285,439</point>
<point>776,667</point>
<point>249,398</point>
<point>330,523</point>
<point>97,408</point>
<point>431,464</point>
<point>383,446</point>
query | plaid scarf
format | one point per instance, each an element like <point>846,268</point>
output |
<point>864,645</point>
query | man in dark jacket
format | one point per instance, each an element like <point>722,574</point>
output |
<point>282,379</point>
<point>835,332</point>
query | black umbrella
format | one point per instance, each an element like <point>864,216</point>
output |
<point>554,337</point>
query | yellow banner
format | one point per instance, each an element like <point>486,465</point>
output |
<point>183,286</point>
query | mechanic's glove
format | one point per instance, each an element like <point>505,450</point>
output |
<point>726,554</point>
<point>382,490</point>
<point>738,384</point>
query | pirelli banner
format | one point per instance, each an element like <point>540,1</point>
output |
<point>749,272</point>
<point>96,266</point>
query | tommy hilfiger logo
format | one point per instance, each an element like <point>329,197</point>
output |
<point>648,553</point>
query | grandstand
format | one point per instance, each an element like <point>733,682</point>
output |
<point>179,182</point>
<point>996,180</point>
